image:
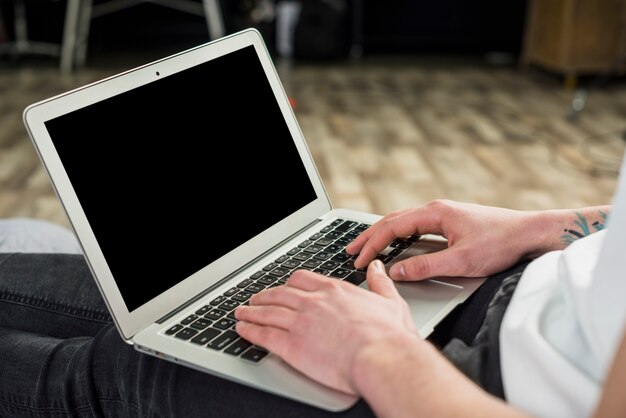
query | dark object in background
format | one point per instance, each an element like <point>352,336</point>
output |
<point>323,30</point>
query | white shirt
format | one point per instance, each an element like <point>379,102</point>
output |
<point>556,343</point>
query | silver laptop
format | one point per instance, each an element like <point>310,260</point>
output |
<point>190,187</point>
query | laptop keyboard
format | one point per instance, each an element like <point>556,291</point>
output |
<point>213,325</point>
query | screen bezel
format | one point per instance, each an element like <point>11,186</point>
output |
<point>35,116</point>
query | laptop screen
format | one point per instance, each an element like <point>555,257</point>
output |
<point>176,173</point>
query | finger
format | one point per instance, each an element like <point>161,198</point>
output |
<point>379,282</point>
<point>286,296</point>
<point>447,262</point>
<point>273,339</point>
<point>306,280</point>
<point>355,246</point>
<point>274,316</point>
<point>422,220</point>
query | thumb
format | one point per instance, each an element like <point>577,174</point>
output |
<point>424,266</point>
<point>379,282</point>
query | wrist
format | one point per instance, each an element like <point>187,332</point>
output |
<point>542,232</point>
<point>383,357</point>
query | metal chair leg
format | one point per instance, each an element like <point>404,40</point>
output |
<point>214,18</point>
<point>70,33</point>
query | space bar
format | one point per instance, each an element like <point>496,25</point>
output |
<point>356,277</point>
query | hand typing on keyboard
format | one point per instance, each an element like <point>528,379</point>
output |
<point>482,240</point>
<point>320,326</point>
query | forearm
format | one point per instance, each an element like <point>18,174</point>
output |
<point>556,229</point>
<point>406,377</point>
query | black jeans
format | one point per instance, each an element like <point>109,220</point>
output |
<point>62,356</point>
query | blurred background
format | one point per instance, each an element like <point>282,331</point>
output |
<point>520,104</point>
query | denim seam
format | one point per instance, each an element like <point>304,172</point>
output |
<point>39,409</point>
<point>37,303</point>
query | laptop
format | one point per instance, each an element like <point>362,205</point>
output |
<point>190,187</point>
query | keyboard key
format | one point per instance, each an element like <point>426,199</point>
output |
<point>189,319</point>
<point>186,333</point>
<point>247,282</point>
<point>341,257</point>
<point>267,280</point>
<point>311,264</point>
<point>315,237</point>
<point>349,265</point>
<point>257,275</point>
<point>302,256</point>
<point>223,340</point>
<point>200,324</point>
<point>217,300</point>
<point>224,323</point>
<point>343,241</point>
<point>206,336</point>
<point>330,265</point>
<point>291,264</point>
<point>254,354</point>
<point>293,251</point>
<point>305,243</point>
<point>229,305</point>
<point>333,235</point>
<point>322,256</point>
<point>238,347</point>
<point>336,222</point>
<point>322,271</point>
<point>174,329</point>
<point>332,248</point>
<point>356,278</point>
<point>325,241</point>
<point>242,296</point>
<point>270,266</point>
<point>231,291</point>
<point>279,272</point>
<point>215,314</point>
<point>340,273</point>
<point>255,288</point>
<point>345,226</point>
<point>281,259</point>
<point>203,310</point>
<point>314,248</point>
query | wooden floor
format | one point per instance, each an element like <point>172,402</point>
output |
<point>389,133</point>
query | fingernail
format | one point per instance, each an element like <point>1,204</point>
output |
<point>379,265</point>
<point>397,271</point>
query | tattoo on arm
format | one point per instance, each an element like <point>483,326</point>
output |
<point>582,227</point>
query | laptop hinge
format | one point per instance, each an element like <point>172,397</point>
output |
<point>233,274</point>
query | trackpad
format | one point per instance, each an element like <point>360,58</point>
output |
<point>427,298</point>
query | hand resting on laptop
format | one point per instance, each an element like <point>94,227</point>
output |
<point>482,240</point>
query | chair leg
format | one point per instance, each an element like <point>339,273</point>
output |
<point>83,32</point>
<point>70,32</point>
<point>214,18</point>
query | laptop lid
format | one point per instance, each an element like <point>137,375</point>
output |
<point>178,172</point>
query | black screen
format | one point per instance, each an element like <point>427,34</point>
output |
<point>203,156</point>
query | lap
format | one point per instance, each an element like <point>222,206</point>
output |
<point>62,356</point>
<point>50,294</point>
<point>103,376</point>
